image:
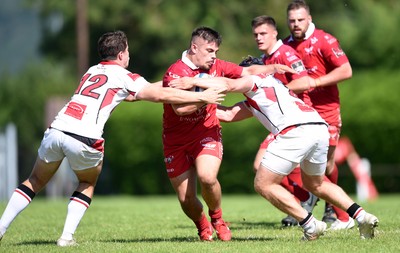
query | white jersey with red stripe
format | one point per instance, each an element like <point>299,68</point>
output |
<point>276,107</point>
<point>101,89</point>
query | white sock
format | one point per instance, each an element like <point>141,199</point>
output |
<point>76,209</point>
<point>18,202</point>
<point>309,225</point>
<point>360,215</point>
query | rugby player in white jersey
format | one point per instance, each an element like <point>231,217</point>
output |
<point>76,132</point>
<point>301,137</point>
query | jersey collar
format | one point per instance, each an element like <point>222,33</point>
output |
<point>188,62</point>
<point>277,45</point>
<point>108,63</point>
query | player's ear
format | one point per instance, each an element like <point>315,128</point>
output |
<point>120,55</point>
<point>193,47</point>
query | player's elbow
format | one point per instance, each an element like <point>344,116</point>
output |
<point>347,71</point>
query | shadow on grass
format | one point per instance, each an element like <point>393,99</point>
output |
<point>183,239</point>
<point>37,242</point>
<point>237,225</point>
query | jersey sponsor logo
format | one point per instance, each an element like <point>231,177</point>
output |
<point>75,110</point>
<point>210,146</point>
<point>208,143</point>
<point>338,52</point>
<point>298,66</point>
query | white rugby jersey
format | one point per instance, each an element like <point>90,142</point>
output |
<point>276,107</point>
<point>101,89</point>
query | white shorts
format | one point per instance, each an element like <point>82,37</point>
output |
<point>306,145</point>
<point>56,145</point>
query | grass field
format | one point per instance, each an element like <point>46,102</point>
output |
<point>157,224</point>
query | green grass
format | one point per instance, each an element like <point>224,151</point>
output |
<point>157,224</point>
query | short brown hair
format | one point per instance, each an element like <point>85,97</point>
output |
<point>298,4</point>
<point>207,34</point>
<point>261,20</point>
<point>110,44</point>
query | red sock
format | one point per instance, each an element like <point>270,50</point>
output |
<point>215,215</point>
<point>333,177</point>
<point>285,183</point>
<point>340,214</point>
<point>294,179</point>
<point>202,223</point>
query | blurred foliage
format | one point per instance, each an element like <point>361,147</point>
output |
<point>23,101</point>
<point>158,32</point>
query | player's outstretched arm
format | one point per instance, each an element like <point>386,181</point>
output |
<point>239,85</point>
<point>158,94</point>
<point>186,83</point>
<point>267,69</point>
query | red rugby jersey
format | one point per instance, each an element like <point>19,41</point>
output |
<point>321,53</point>
<point>180,130</point>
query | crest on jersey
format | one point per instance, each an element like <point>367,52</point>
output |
<point>309,49</point>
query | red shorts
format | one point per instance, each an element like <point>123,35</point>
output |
<point>334,125</point>
<point>180,159</point>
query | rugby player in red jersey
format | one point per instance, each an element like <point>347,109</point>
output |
<point>328,65</point>
<point>192,134</point>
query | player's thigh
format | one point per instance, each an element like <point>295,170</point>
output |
<point>89,175</point>
<point>185,185</point>
<point>266,177</point>
<point>311,182</point>
<point>41,174</point>
<point>207,168</point>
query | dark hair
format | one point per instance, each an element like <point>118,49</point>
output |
<point>261,20</point>
<point>207,34</point>
<point>110,44</point>
<point>298,4</point>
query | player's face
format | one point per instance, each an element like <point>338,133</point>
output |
<point>205,53</point>
<point>298,22</point>
<point>265,37</point>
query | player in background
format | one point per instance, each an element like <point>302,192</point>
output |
<point>76,132</point>
<point>274,51</point>
<point>192,134</point>
<point>327,64</point>
<point>301,137</point>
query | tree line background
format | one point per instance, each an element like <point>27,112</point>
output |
<point>158,32</point>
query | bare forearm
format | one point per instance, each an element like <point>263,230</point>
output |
<point>337,75</point>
